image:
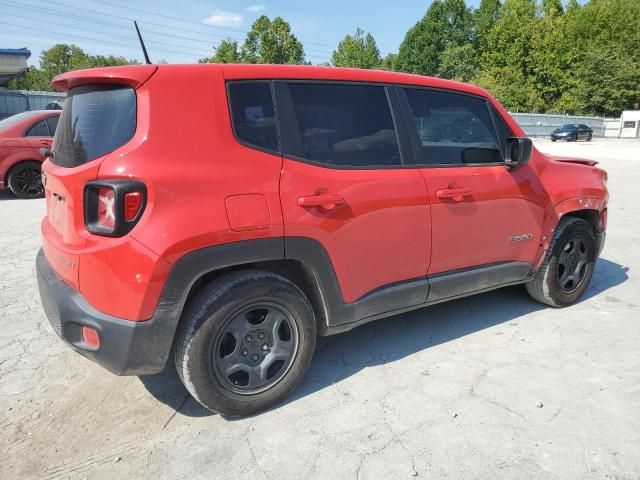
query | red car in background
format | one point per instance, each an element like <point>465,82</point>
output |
<point>21,138</point>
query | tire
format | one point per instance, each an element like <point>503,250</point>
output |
<point>221,365</point>
<point>551,284</point>
<point>25,181</point>
<point>553,139</point>
<point>574,138</point>
<point>589,137</point>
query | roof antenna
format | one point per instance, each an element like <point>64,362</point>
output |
<point>144,49</point>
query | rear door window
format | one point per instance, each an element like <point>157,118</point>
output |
<point>94,121</point>
<point>252,114</point>
<point>341,125</point>
<point>452,128</point>
<point>52,123</point>
<point>40,129</point>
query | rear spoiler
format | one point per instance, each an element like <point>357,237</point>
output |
<point>579,161</point>
<point>130,75</point>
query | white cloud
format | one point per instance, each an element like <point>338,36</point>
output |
<point>222,18</point>
<point>256,8</point>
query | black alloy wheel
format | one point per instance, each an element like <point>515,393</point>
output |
<point>255,348</point>
<point>25,180</point>
<point>573,264</point>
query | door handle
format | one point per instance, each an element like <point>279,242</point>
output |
<point>46,143</point>
<point>456,194</point>
<point>327,202</point>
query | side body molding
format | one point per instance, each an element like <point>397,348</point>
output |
<point>339,316</point>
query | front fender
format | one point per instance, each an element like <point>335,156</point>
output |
<point>569,206</point>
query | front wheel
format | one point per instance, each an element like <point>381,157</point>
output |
<point>245,343</point>
<point>568,267</point>
<point>589,137</point>
<point>24,180</point>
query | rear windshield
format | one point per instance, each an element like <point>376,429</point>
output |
<point>94,121</point>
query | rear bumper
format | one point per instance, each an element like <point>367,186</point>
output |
<point>126,347</point>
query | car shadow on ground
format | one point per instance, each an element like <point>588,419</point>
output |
<point>339,356</point>
<point>7,194</point>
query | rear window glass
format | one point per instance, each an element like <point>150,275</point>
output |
<point>343,125</point>
<point>94,121</point>
<point>252,114</point>
<point>52,122</point>
<point>40,129</point>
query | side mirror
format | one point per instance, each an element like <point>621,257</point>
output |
<point>517,151</point>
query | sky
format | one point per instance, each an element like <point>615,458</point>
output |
<point>185,30</point>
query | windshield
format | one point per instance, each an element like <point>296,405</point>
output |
<point>15,119</point>
<point>94,121</point>
<point>567,128</point>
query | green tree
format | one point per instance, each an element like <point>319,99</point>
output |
<point>358,51</point>
<point>506,65</point>
<point>552,7</point>
<point>484,18</point>
<point>227,51</point>
<point>606,82</point>
<point>550,57</point>
<point>59,59</point>
<point>272,42</point>
<point>389,62</point>
<point>62,58</point>
<point>603,56</point>
<point>572,5</point>
<point>447,24</point>
<point>110,61</point>
<point>458,63</point>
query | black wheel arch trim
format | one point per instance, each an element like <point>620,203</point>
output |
<point>333,314</point>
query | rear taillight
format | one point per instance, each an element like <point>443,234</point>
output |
<point>113,207</point>
<point>106,208</point>
<point>132,205</point>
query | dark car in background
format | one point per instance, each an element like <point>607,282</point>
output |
<point>21,138</point>
<point>572,132</point>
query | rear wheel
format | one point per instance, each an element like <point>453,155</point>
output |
<point>25,181</point>
<point>568,267</point>
<point>245,342</point>
<point>589,137</point>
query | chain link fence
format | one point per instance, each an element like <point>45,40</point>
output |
<point>18,101</point>
<point>542,124</point>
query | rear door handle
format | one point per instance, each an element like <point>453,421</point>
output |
<point>456,194</point>
<point>325,201</point>
<point>46,143</point>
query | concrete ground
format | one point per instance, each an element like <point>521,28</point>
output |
<point>449,391</point>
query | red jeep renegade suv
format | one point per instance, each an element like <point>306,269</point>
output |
<point>225,215</point>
